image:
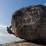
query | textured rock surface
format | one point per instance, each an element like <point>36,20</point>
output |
<point>22,43</point>
<point>29,23</point>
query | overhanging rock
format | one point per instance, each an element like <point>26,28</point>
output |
<point>29,23</point>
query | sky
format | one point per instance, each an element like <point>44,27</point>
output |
<point>7,8</point>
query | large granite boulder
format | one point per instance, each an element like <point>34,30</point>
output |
<point>29,23</point>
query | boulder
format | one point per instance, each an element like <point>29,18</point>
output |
<point>29,23</point>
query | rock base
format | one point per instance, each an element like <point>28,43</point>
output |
<point>23,43</point>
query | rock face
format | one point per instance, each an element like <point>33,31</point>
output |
<point>22,43</point>
<point>29,23</point>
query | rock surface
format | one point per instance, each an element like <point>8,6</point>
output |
<point>22,43</point>
<point>29,23</point>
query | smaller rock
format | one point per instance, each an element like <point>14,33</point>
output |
<point>23,43</point>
